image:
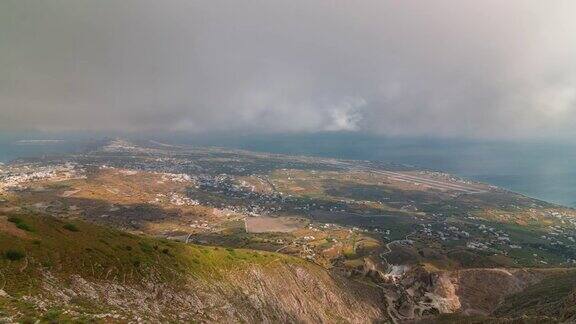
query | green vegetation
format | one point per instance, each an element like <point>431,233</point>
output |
<point>544,298</point>
<point>102,253</point>
<point>21,224</point>
<point>14,255</point>
<point>70,227</point>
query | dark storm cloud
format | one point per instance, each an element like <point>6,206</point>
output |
<point>448,67</point>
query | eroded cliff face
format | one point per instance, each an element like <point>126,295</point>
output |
<point>281,292</point>
<point>416,294</point>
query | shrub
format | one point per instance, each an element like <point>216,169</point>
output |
<point>24,227</point>
<point>52,315</point>
<point>145,247</point>
<point>14,255</point>
<point>20,224</point>
<point>71,227</point>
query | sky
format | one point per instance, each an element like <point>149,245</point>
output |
<point>444,68</point>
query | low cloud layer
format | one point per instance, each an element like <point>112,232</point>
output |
<point>499,69</point>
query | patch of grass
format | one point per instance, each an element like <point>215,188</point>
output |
<point>349,252</point>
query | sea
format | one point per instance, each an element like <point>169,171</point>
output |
<point>539,169</point>
<point>31,145</point>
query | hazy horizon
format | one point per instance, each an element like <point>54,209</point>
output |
<point>542,170</point>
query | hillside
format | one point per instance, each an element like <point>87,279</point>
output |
<point>178,233</point>
<point>56,270</point>
<point>552,297</point>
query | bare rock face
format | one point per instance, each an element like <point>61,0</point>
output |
<point>305,295</point>
<point>266,294</point>
<point>444,294</point>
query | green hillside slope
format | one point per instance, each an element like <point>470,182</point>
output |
<point>58,270</point>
